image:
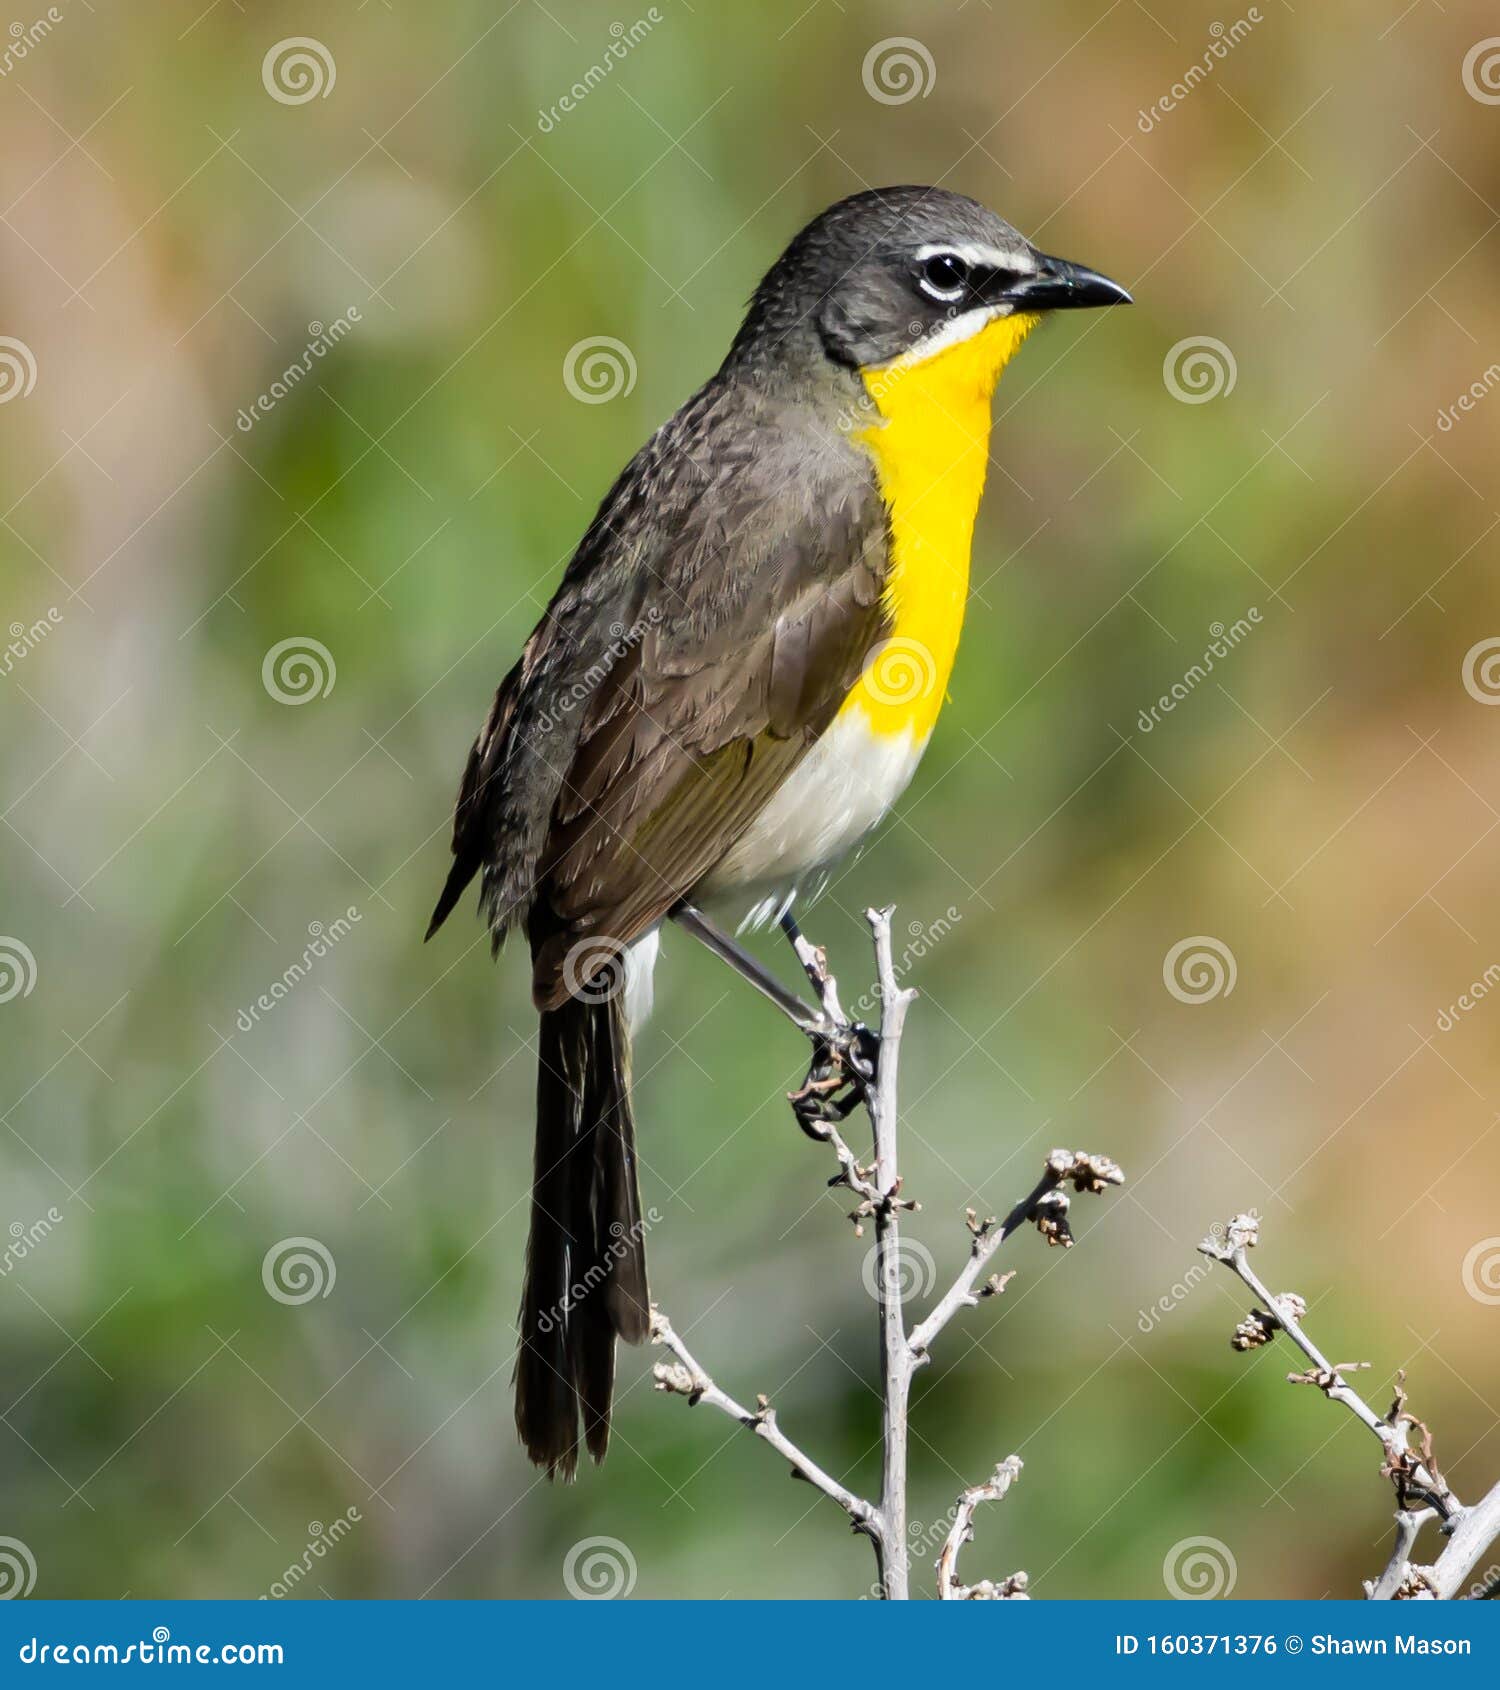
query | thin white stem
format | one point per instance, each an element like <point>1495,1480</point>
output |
<point>950,1588</point>
<point>1470,1531</point>
<point>1089,1173</point>
<point>895,1353</point>
<point>687,1379</point>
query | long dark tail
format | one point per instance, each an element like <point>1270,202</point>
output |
<point>586,1257</point>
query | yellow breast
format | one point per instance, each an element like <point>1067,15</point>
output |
<point>931,447</point>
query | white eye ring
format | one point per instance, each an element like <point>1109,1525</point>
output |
<point>956,266</point>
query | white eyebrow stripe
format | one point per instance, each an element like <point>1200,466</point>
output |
<point>988,256</point>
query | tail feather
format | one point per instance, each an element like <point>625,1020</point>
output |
<point>586,1258</point>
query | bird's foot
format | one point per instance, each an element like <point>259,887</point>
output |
<point>845,1064</point>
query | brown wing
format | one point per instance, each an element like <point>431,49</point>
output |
<point>697,724</point>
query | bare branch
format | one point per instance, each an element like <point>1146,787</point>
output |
<point>962,1532</point>
<point>685,1378</point>
<point>1414,1480</point>
<point>1422,1493</point>
<point>1046,1205</point>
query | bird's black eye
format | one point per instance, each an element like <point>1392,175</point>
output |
<point>944,276</point>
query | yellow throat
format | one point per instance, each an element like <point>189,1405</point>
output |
<point>931,448</point>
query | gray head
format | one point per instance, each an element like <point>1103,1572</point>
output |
<point>882,273</point>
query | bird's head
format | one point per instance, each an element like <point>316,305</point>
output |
<point>905,273</point>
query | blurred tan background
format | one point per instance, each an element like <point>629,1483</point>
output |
<point>405,209</point>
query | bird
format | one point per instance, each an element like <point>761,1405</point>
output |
<point>731,686</point>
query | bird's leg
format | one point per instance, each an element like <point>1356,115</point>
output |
<point>845,1059</point>
<point>844,1052</point>
<point>810,1021</point>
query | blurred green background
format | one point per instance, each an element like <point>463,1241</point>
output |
<point>1324,805</point>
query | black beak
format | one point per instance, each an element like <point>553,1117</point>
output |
<point>1061,286</point>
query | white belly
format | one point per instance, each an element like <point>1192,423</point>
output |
<point>836,794</point>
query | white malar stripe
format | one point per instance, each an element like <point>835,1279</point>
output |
<point>956,330</point>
